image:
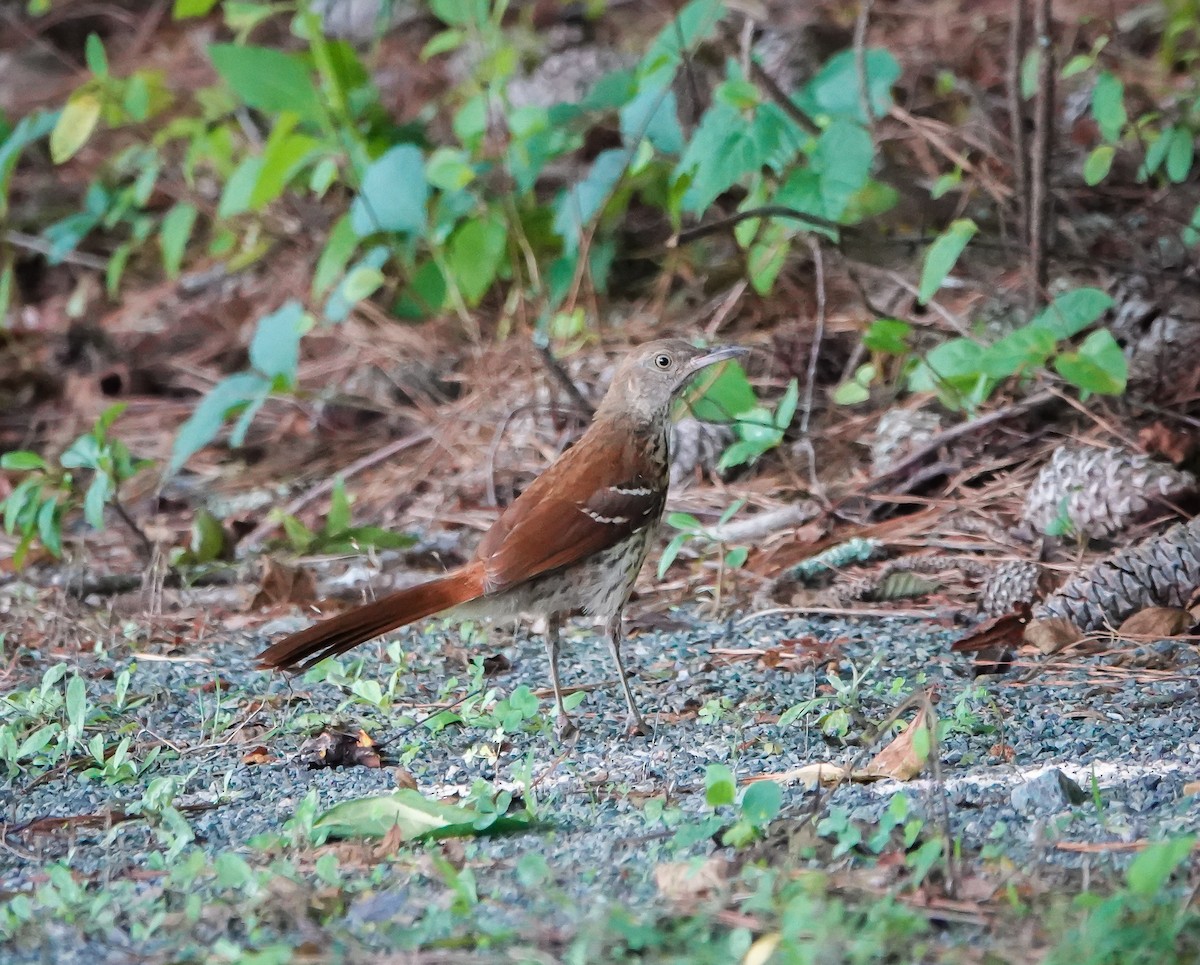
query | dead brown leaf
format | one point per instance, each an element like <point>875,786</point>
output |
<point>340,749</point>
<point>686,884</point>
<point>1002,633</point>
<point>257,755</point>
<point>281,584</point>
<point>497,663</point>
<point>1159,439</point>
<point>1157,621</point>
<point>404,779</point>
<point>904,758</point>
<point>1191,787</point>
<point>1052,634</point>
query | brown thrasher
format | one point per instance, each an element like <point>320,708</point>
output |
<point>574,540</point>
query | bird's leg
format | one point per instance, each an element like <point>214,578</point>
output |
<point>634,725</point>
<point>563,725</point>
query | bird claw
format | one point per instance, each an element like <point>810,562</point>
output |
<point>636,727</point>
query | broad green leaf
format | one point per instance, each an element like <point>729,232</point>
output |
<point>449,169</point>
<point>30,128</point>
<point>239,189</point>
<point>653,114</point>
<point>357,284</point>
<point>393,194</point>
<point>1156,153</point>
<point>275,348</point>
<point>268,80</point>
<point>416,817</point>
<point>852,392</point>
<point>714,159</point>
<point>21,460</point>
<point>94,55</point>
<point>691,25</point>
<point>339,249</point>
<point>834,90</point>
<point>727,393</point>
<point>338,520</point>
<point>943,254</point>
<point>192,8</point>
<point>442,43</point>
<point>1020,351</point>
<point>578,205</point>
<point>227,396</point>
<point>719,786</point>
<point>84,453</point>
<point>1098,164</point>
<point>1099,366</point>
<point>173,235</point>
<point>1108,106</point>
<point>49,525</point>
<point>767,256</point>
<point>842,158</point>
<point>284,156</point>
<point>1180,155</point>
<point>761,802</point>
<point>75,125</point>
<point>1073,311</point>
<point>474,255</point>
<point>786,410</point>
<point>1149,872</point>
<point>96,498</point>
<point>888,335</point>
<point>362,282</point>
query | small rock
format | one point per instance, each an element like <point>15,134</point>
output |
<point>1047,793</point>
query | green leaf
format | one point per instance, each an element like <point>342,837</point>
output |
<point>93,54</point>
<point>22,460</point>
<point>719,786</point>
<point>1108,106</point>
<point>852,392</point>
<point>726,396</point>
<point>76,705</point>
<point>275,348</point>
<point>1149,872</point>
<point>1098,164</point>
<point>284,156</point>
<point>339,249</point>
<point>29,129</point>
<point>449,169</point>
<point>416,817</point>
<point>393,194</point>
<point>173,235</point>
<point>192,8</point>
<point>362,282</point>
<point>84,453</point>
<point>786,410</point>
<point>338,520</point>
<point>671,552</point>
<point>1099,366</point>
<point>943,255</point>
<point>761,802</point>
<point>1157,152</point>
<point>1180,155</point>
<point>226,397</point>
<point>96,498</point>
<point>442,43</point>
<point>690,26</point>
<point>75,125</point>
<point>736,557</point>
<point>357,284</point>
<point>267,79</point>
<point>653,114</point>
<point>1073,311</point>
<point>239,189</point>
<point>578,205</point>
<point>889,336</point>
<point>49,525</point>
<point>474,254</point>
<point>1026,348</point>
<point>834,90</point>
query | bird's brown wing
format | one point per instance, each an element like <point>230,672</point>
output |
<point>577,508</point>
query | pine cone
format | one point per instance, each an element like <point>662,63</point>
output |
<point>899,432</point>
<point>1008,585</point>
<point>1163,570</point>
<point>1100,491</point>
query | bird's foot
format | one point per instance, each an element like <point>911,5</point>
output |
<point>564,726</point>
<point>636,727</point>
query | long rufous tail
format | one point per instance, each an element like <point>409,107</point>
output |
<point>340,633</point>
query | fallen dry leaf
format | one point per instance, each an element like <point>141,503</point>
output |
<point>340,749</point>
<point>1157,621</point>
<point>257,755</point>
<point>999,633</point>
<point>904,758</point>
<point>1052,635</point>
<point>1159,439</point>
<point>686,884</point>
<point>404,778</point>
<point>1004,752</point>
<point>1191,787</point>
<point>283,584</point>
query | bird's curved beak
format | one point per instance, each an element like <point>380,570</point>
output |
<point>712,356</point>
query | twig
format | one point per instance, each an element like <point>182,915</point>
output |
<point>755,528</point>
<point>113,584</point>
<point>40,246</point>
<point>861,22</point>
<point>956,432</point>
<point>814,354</point>
<point>1017,41</point>
<point>764,211</point>
<point>144,540</point>
<point>254,538</point>
<point>560,376</point>
<point>1043,135</point>
<point>774,91</point>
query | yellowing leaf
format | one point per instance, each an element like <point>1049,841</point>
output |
<point>74,127</point>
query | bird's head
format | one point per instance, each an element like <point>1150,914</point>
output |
<point>652,375</point>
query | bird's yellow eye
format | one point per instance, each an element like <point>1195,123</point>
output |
<point>662,361</point>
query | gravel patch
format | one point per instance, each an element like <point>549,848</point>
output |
<point>1022,768</point>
